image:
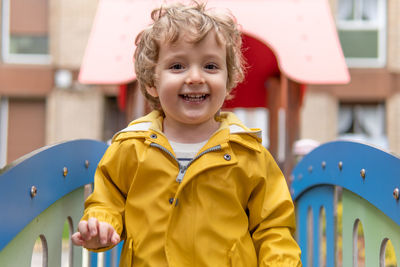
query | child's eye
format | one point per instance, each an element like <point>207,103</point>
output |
<point>176,66</point>
<point>211,66</point>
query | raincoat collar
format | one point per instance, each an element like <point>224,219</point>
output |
<point>231,129</point>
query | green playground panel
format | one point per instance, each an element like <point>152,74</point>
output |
<point>50,224</point>
<point>376,227</point>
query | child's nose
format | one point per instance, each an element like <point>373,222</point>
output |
<point>194,76</point>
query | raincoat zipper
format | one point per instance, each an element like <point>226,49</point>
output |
<point>182,169</point>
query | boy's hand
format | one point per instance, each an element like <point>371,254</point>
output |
<point>93,234</point>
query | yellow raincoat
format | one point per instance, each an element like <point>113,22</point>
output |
<point>230,207</point>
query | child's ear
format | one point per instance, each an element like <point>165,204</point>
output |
<point>152,91</point>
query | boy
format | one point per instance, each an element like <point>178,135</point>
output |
<point>187,185</point>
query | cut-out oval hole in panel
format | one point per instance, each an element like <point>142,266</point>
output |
<point>310,237</point>
<point>66,253</point>
<point>339,226</point>
<point>322,237</point>
<point>358,245</point>
<point>387,254</point>
<point>40,252</point>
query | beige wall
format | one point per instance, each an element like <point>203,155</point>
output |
<point>77,112</point>
<point>319,117</point>
<point>73,114</point>
<point>393,122</point>
<point>70,24</point>
<point>393,34</point>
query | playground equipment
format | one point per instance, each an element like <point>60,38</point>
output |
<point>366,182</point>
<point>40,192</point>
<point>46,188</point>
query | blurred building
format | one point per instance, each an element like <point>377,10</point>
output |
<point>368,108</point>
<point>41,102</point>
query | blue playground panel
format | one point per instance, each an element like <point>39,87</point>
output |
<point>44,169</point>
<point>56,172</point>
<point>370,181</point>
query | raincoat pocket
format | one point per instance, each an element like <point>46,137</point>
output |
<point>242,253</point>
<point>126,259</point>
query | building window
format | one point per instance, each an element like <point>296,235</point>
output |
<point>363,122</point>
<point>362,32</point>
<point>25,36</point>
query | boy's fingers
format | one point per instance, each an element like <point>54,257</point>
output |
<point>77,239</point>
<point>83,229</point>
<point>95,234</point>
<point>115,237</point>
<point>103,233</point>
<point>93,225</point>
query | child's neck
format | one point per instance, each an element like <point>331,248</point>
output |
<point>189,133</point>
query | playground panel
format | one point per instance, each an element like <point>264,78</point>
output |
<point>40,192</point>
<point>367,179</point>
<point>365,182</point>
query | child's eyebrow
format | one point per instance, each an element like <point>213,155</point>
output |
<point>175,56</point>
<point>214,55</point>
<point>181,55</point>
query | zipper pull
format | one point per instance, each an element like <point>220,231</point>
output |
<point>182,171</point>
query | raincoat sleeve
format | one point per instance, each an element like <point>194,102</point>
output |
<point>272,221</point>
<point>107,201</point>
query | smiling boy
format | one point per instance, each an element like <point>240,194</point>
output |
<point>190,83</point>
<point>188,185</point>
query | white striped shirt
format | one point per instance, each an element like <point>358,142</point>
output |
<point>186,152</point>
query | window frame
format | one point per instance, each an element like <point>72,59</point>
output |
<point>363,136</point>
<point>380,25</point>
<point>13,58</point>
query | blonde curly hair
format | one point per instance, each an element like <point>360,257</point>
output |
<point>169,22</point>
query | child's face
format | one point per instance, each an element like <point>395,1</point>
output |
<point>190,80</point>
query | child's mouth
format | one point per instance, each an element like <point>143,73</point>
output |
<point>194,98</point>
